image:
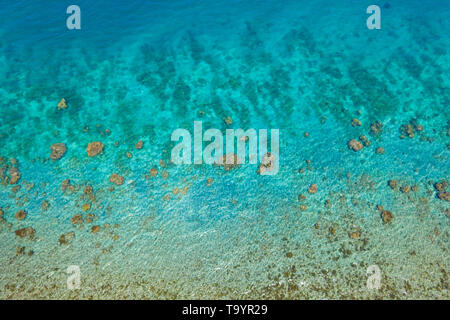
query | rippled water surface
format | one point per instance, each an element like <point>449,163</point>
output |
<point>138,70</point>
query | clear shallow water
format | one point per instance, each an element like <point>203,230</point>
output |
<point>141,70</point>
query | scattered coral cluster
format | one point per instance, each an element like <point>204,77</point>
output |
<point>362,179</point>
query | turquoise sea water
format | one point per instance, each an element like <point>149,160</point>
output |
<point>139,70</point>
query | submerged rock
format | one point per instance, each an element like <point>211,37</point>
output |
<point>94,148</point>
<point>58,150</point>
<point>405,189</point>
<point>312,189</point>
<point>354,235</point>
<point>365,141</point>
<point>153,172</point>
<point>228,121</point>
<point>66,238</point>
<point>354,145</point>
<point>441,186</point>
<point>387,216</point>
<point>88,190</point>
<point>26,232</point>
<point>14,175</point>
<point>139,145</point>
<point>375,128</point>
<point>62,104</point>
<point>65,185</point>
<point>21,215</point>
<point>409,130</point>
<point>77,219</point>
<point>444,196</point>
<point>356,123</point>
<point>90,218</point>
<point>393,184</point>
<point>116,179</point>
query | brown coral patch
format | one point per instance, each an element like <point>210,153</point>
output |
<point>356,123</point>
<point>21,215</point>
<point>393,184</point>
<point>26,232</point>
<point>153,172</point>
<point>354,145</point>
<point>441,186</point>
<point>88,190</point>
<point>444,196</point>
<point>66,238</point>
<point>365,141</point>
<point>387,216</point>
<point>77,219</point>
<point>312,189</point>
<point>354,235</point>
<point>409,130</point>
<point>228,121</point>
<point>116,179</point>
<point>65,185</point>
<point>95,229</point>
<point>14,175</point>
<point>139,145</point>
<point>90,218</point>
<point>62,104</point>
<point>376,127</point>
<point>95,148</point>
<point>20,251</point>
<point>58,150</point>
<point>405,189</point>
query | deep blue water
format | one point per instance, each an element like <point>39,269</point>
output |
<point>138,70</point>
